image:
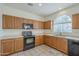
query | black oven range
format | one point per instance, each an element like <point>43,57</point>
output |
<point>29,40</point>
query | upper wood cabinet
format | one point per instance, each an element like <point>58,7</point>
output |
<point>41,25</point>
<point>38,24</point>
<point>13,22</point>
<point>75,21</point>
<point>47,24</point>
<point>39,40</point>
<point>8,22</point>
<point>18,22</point>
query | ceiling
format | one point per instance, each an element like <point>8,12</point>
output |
<point>44,10</point>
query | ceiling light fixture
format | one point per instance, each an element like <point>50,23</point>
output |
<point>60,8</point>
<point>40,4</point>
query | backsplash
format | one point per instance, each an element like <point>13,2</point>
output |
<point>75,32</point>
<point>7,32</point>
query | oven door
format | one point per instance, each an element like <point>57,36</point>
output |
<point>29,40</point>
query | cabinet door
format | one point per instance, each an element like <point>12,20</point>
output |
<point>7,46</point>
<point>18,44</point>
<point>41,25</point>
<point>53,42</point>
<point>36,24</point>
<point>75,20</point>
<point>59,43</point>
<point>18,23</point>
<point>64,46</point>
<point>28,21</point>
<point>39,40</point>
<point>46,40</point>
<point>8,22</point>
<point>25,21</point>
<point>47,25</point>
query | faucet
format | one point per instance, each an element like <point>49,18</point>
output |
<point>60,33</point>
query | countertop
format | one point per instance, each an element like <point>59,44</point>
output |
<point>10,36</point>
<point>65,36</point>
<point>17,36</point>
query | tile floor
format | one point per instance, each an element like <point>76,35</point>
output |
<point>42,50</point>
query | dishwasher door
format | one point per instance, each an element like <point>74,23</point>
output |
<point>73,48</point>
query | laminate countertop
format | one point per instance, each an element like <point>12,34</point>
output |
<point>10,37</point>
<point>65,36</point>
<point>13,36</point>
<point>62,36</point>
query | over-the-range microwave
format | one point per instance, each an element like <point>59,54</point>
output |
<point>27,26</point>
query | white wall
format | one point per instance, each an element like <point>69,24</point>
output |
<point>69,12</point>
<point>16,12</point>
<point>1,9</point>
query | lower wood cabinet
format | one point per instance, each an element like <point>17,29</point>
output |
<point>39,40</point>
<point>18,44</point>
<point>51,41</point>
<point>57,43</point>
<point>62,45</point>
<point>9,46</point>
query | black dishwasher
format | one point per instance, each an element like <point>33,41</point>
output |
<point>73,49</point>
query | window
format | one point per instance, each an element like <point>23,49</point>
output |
<point>63,24</point>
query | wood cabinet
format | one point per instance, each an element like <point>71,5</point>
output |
<point>46,39</point>
<point>38,24</point>
<point>51,41</point>
<point>62,45</point>
<point>39,40</point>
<point>8,22</point>
<point>57,43</point>
<point>13,22</point>
<point>47,24</point>
<point>18,23</point>
<point>35,24</point>
<point>75,21</point>
<point>18,44</point>
<point>7,46</point>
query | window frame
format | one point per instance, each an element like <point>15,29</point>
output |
<point>61,30</point>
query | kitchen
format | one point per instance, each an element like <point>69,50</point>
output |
<point>55,32</point>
